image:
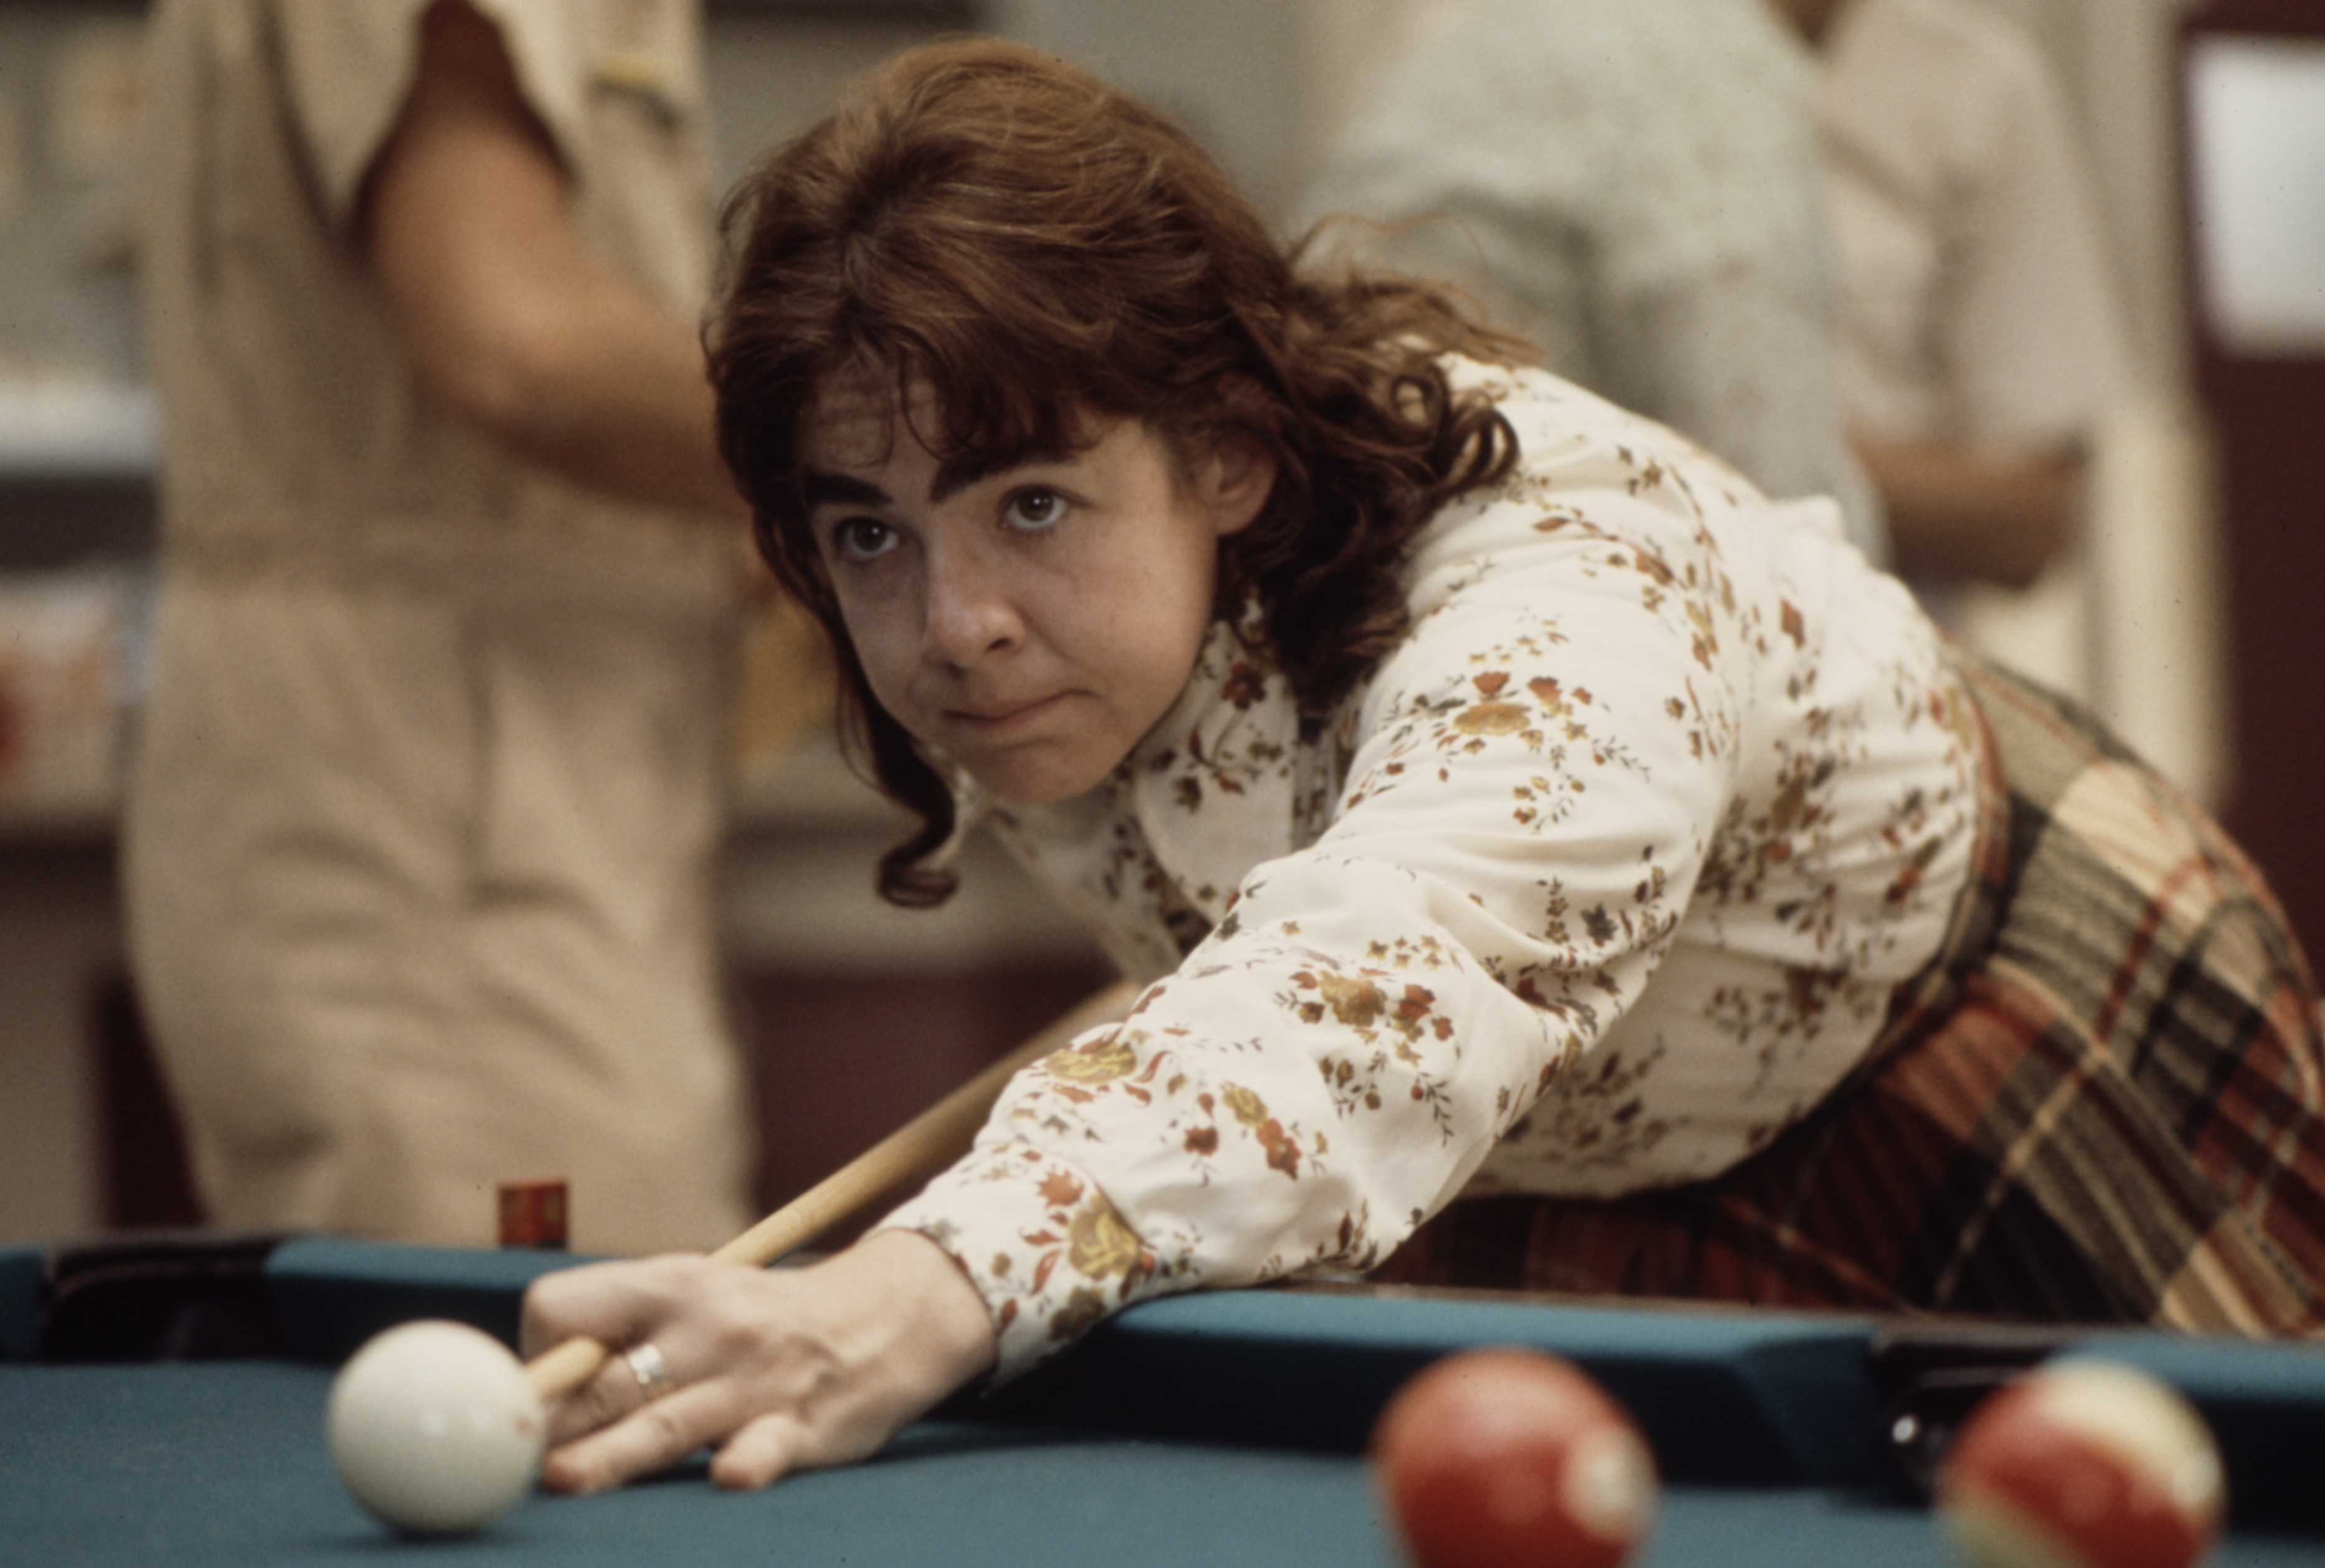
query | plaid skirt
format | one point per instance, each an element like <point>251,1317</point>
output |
<point>2100,1105</point>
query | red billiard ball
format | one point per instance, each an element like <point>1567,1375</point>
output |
<point>2083,1463</point>
<point>1495,1458</point>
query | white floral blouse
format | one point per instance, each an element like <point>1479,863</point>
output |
<point>1602,879</point>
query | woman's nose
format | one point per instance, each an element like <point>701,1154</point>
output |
<point>970,613</point>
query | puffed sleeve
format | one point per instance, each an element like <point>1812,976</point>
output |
<point>1534,778</point>
<point>349,69</point>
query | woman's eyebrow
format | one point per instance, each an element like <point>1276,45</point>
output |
<point>958,473</point>
<point>818,489</point>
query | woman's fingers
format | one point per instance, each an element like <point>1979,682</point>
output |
<point>763,1451</point>
<point>611,1303</point>
<point>780,1370</point>
<point>651,1438</point>
<point>765,1418</point>
<point>613,1391</point>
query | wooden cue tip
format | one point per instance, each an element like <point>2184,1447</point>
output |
<point>560,1369</point>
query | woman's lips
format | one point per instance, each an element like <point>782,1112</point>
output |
<point>1000,715</point>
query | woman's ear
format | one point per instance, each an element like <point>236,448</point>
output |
<point>1238,477</point>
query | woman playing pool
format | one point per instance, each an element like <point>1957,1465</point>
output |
<point>1552,864</point>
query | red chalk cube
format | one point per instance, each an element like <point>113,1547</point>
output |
<point>533,1214</point>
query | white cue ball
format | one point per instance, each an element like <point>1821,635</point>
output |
<point>435,1428</point>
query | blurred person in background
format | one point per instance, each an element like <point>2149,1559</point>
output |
<point>1635,188</point>
<point>420,832</point>
<point>1982,343</point>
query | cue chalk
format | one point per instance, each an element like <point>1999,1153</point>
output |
<point>914,1152</point>
<point>535,1213</point>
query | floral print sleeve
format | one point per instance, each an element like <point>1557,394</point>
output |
<point>1604,878</point>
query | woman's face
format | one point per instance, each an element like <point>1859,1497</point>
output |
<point>1032,624</point>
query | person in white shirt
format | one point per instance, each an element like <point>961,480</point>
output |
<point>1981,342</point>
<point>1635,188</point>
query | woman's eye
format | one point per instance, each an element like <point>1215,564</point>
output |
<point>861,538</point>
<point>1034,509</point>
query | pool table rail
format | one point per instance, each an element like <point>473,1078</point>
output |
<point>1728,1397</point>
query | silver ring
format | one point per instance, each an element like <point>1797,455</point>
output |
<point>646,1365</point>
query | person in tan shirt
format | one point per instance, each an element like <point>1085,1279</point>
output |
<point>418,838</point>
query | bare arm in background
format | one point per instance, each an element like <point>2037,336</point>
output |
<point>1961,516</point>
<point>510,320</point>
<point>1957,515</point>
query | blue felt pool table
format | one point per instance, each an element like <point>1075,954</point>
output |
<point>1212,1430</point>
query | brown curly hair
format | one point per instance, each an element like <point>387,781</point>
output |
<point>1035,246</point>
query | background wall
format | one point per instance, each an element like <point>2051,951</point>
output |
<point>1264,83</point>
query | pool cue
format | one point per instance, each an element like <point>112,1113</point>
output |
<point>919,1149</point>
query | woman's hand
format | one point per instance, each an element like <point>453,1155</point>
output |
<point>778,1370</point>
